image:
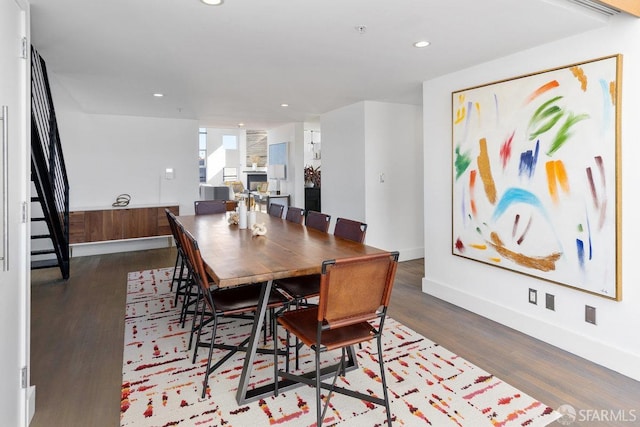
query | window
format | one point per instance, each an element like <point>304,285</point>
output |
<point>202,154</point>
<point>230,142</point>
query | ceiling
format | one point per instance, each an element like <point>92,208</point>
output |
<point>237,63</point>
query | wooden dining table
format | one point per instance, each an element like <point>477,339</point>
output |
<point>233,256</point>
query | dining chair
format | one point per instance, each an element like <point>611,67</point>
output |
<point>236,302</point>
<point>179,267</point>
<point>190,292</point>
<point>302,288</point>
<point>354,296</point>
<point>350,229</point>
<point>318,220</point>
<point>203,207</point>
<point>182,277</point>
<point>276,210</point>
<point>295,215</point>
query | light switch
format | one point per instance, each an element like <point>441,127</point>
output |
<point>168,173</point>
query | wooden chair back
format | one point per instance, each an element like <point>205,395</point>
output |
<point>354,290</point>
<point>319,221</point>
<point>276,210</point>
<point>195,259</point>
<point>182,243</point>
<point>295,215</point>
<point>173,226</point>
<point>350,229</point>
<point>203,207</point>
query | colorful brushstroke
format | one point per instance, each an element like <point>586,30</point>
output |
<point>462,161</point>
<point>528,161</point>
<point>461,112</point>
<point>544,118</point>
<point>505,150</point>
<point>599,201</point>
<point>542,89</point>
<point>564,133</point>
<point>556,176</point>
<point>484,168</point>
<point>472,192</point>
<point>578,73</point>
<point>541,263</point>
<point>514,196</point>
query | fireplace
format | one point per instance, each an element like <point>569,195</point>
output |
<point>254,179</point>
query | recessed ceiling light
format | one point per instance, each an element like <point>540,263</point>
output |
<point>240,125</point>
<point>284,105</point>
<point>212,2</point>
<point>158,95</point>
<point>421,43</point>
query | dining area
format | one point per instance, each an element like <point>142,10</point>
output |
<point>111,341</point>
<point>300,290</point>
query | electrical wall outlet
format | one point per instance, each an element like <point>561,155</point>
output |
<point>590,314</point>
<point>533,296</point>
<point>550,302</point>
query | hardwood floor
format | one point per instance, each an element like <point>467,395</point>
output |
<point>77,329</point>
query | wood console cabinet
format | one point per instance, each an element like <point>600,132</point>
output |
<point>119,223</point>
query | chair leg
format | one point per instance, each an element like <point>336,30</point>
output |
<point>287,360</point>
<point>384,380</point>
<point>175,270</point>
<point>318,390</point>
<point>186,300</point>
<point>206,373</point>
<point>190,299</point>
<point>275,361</point>
<point>199,327</point>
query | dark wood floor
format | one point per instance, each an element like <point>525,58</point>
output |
<point>77,329</point>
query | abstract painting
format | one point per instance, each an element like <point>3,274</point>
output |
<point>536,175</point>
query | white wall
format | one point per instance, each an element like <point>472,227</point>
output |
<point>293,133</point>
<point>359,143</point>
<point>502,295</point>
<point>107,155</point>
<point>343,163</point>
<point>393,154</point>
<point>218,157</point>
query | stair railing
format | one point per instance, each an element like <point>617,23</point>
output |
<point>48,167</point>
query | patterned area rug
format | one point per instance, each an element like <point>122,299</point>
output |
<point>428,385</point>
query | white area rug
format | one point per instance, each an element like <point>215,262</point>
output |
<point>428,385</point>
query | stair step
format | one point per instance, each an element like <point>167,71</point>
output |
<point>43,252</point>
<point>40,236</point>
<point>46,263</point>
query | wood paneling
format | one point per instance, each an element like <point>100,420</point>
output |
<point>140,223</point>
<point>117,224</point>
<point>632,7</point>
<point>76,227</point>
<point>163,223</point>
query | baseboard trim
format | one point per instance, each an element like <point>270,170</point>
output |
<point>31,403</point>
<point>116,246</point>
<point>598,352</point>
<point>411,253</point>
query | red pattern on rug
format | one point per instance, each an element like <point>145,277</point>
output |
<point>428,385</point>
